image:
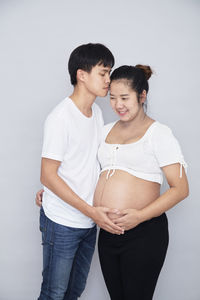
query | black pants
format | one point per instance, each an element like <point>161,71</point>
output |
<point>131,263</point>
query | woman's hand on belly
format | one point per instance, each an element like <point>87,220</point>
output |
<point>130,218</point>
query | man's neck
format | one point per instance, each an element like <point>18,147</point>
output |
<point>83,101</point>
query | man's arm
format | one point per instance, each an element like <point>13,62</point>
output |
<point>51,179</point>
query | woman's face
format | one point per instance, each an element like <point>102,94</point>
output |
<point>124,100</point>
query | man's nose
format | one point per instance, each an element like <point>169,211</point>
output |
<point>107,78</point>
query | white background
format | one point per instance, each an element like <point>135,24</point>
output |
<point>36,40</point>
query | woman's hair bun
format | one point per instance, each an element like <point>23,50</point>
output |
<point>146,69</point>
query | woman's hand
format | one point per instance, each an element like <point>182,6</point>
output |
<point>38,198</point>
<point>130,219</point>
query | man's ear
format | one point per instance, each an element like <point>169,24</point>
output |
<point>80,75</point>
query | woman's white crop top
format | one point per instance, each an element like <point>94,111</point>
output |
<point>143,158</point>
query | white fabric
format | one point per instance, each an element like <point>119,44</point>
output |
<point>143,158</point>
<point>73,139</point>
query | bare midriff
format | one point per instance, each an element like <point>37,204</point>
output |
<point>123,190</point>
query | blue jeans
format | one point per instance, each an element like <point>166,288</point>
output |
<point>67,255</point>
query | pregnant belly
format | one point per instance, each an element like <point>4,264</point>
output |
<point>124,190</point>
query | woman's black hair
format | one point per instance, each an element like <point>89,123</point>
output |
<point>137,77</point>
<point>87,56</point>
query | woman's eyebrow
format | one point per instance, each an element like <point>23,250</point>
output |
<point>121,95</point>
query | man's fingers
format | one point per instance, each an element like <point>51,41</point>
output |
<point>114,226</point>
<point>38,202</point>
<point>121,225</point>
<point>110,229</point>
<point>39,194</point>
<point>105,222</point>
<point>119,220</point>
<point>38,198</point>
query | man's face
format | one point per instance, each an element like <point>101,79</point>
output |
<point>98,80</point>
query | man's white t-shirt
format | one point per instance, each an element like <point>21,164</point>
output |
<point>73,139</point>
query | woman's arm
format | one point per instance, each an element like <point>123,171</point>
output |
<point>178,190</point>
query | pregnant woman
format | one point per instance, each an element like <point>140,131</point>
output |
<point>134,153</point>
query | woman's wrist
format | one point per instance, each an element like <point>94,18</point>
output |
<point>143,216</point>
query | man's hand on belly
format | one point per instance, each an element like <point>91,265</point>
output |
<point>130,219</point>
<point>101,218</point>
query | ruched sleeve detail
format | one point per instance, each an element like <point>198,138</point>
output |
<point>166,147</point>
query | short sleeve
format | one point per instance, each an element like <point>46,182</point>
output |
<point>166,147</point>
<point>55,138</point>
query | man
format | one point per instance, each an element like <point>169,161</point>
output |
<point>69,173</point>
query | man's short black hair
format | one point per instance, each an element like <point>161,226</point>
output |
<point>87,56</point>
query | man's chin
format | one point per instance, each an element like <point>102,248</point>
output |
<point>104,94</point>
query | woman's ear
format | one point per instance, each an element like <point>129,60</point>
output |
<point>143,96</point>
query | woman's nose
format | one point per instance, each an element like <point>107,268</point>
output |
<point>119,104</point>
